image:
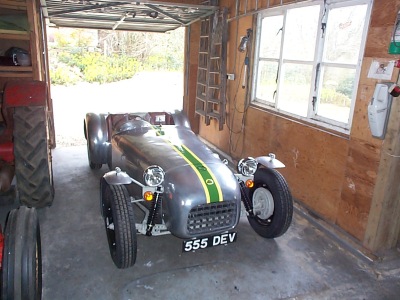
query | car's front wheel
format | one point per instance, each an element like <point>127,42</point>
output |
<point>120,225</point>
<point>271,202</point>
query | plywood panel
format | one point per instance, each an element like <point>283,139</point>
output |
<point>313,170</point>
<point>382,13</point>
<point>314,173</point>
<point>358,186</point>
<point>378,42</point>
<point>273,3</point>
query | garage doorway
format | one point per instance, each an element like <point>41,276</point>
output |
<point>108,71</point>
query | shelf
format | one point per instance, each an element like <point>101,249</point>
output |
<point>14,35</point>
<point>10,75</point>
<point>17,5</point>
<point>15,71</point>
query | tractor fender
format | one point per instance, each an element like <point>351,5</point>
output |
<point>96,134</point>
<point>270,161</point>
<point>25,93</point>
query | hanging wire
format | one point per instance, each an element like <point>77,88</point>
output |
<point>233,145</point>
<point>396,27</point>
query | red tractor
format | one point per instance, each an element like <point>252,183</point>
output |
<point>25,153</point>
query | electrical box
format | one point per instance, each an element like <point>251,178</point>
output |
<point>379,110</point>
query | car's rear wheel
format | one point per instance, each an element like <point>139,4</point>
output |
<point>22,264</point>
<point>271,202</point>
<point>96,134</point>
<point>94,166</point>
<point>120,225</point>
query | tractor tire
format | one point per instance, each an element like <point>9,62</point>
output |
<point>33,165</point>
<point>22,263</point>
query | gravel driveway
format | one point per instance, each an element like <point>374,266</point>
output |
<point>146,91</point>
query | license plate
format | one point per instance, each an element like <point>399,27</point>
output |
<point>210,241</point>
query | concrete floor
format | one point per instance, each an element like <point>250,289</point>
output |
<point>303,264</point>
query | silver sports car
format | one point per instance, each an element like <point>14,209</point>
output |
<point>178,184</point>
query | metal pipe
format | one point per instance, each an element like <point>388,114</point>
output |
<point>119,22</point>
<point>188,34</point>
<point>237,9</point>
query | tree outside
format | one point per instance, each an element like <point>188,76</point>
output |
<point>83,55</point>
<point>110,71</point>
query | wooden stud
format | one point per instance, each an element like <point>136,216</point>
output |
<point>383,227</point>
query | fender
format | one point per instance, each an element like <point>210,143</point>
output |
<point>96,134</point>
<point>117,177</point>
<point>25,93</point>
<point>270,161</point>
<point>180,119</point>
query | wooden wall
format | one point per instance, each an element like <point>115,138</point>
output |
<point>333,175</point>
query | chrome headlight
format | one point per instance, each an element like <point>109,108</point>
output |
<point>247,166</point>
<point>153,176</point>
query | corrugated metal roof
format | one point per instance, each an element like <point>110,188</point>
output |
<point>128,15</point>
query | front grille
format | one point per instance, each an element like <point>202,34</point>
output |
<point>213,216</point>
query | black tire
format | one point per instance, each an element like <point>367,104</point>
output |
<point>33,165</point>
<point>120,225</point>
<point>94,166</point>
<point>272,220</point>
<point>22,260</point>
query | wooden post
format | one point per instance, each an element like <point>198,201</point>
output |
<point>383,227</point>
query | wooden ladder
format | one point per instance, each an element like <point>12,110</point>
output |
<point>211,74</point>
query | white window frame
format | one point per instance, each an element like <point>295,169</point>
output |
<point>312,117</point>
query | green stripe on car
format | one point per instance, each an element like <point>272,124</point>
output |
<point>208,180</point>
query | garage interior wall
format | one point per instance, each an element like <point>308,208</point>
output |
<point>350,181</point>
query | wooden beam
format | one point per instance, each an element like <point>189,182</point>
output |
<point>17,5</point>
<point>15,69</point>
<point>14,35</point>
<point>16,75</point>
<point>383,227</point>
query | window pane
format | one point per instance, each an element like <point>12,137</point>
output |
<point>344,34</point>
<point>271,36</point>
<point>336,93</point>
<point>301,33</point>
<point>294,92</point>
<point>266,80</point>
